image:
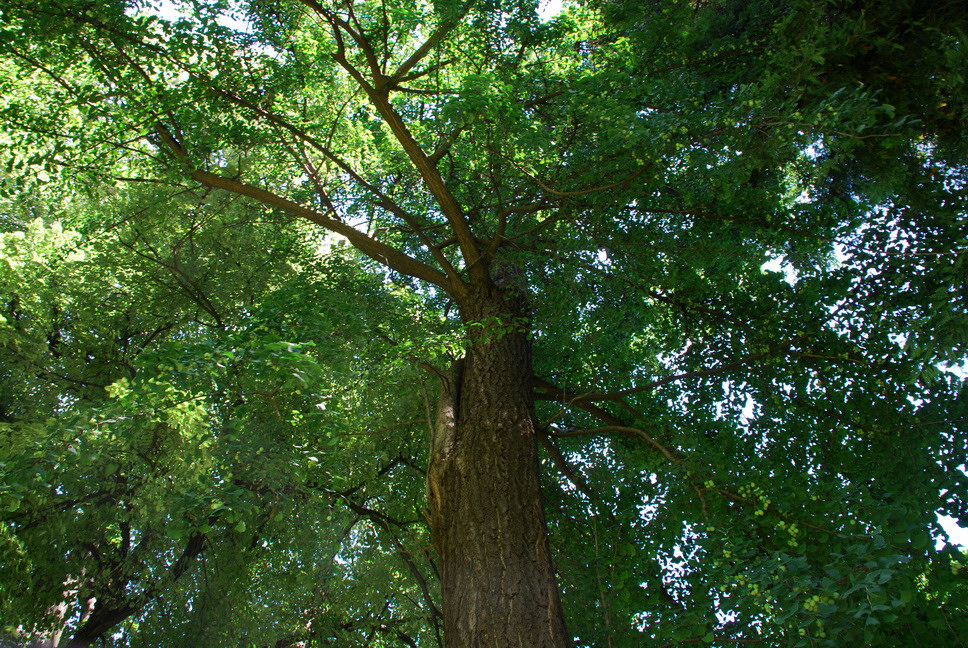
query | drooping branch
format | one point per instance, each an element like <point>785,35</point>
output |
<point>383,522</point>
<point>624,429</point>
<point>557,394</point>
<point>581,192</point>
<point>703,640</point>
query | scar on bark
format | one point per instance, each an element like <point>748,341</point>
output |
<point>443,437</point>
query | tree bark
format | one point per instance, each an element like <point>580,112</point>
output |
<point>484,502</point>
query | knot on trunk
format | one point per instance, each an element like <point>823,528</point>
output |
<point>509,279</point>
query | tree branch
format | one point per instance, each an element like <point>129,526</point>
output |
<point>625,429</point>
<point>592,397</point>
<point>380,252</point>
<point>378,93</point>
<point>581,192</point>
<point>615,424</point>
<point>444,28</point>
<point>559,460</point>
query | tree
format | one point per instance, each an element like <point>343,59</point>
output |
<point>586,207</point>
<point>178,439</point>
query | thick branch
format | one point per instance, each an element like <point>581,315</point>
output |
<point>380,252</point>
<point>442,30</point>
<point>435,183</point>
<point>378,93</point>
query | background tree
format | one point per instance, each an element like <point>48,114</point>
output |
<point>582,211</point>
<point>163,450</point>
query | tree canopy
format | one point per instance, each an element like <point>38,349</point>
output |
<point>292,293</point>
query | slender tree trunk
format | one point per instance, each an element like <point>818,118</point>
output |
<point>484,501</point>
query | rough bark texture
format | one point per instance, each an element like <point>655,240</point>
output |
<point>484,502</point>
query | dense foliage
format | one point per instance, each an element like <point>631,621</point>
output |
<point>229,245</point>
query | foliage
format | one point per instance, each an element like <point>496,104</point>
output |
<point>740,227</point>
<point>165,397</point>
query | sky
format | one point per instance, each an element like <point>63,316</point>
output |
<point>956,534</point>
<point>549,9</point>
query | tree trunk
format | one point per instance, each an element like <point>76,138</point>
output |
<point>484,501</point>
